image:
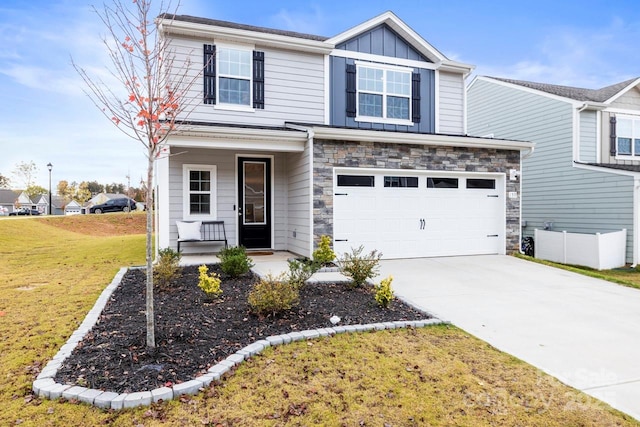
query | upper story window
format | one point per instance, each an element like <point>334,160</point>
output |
<point>233,77</point>
<point>384,93</point>
<point>628,135</point>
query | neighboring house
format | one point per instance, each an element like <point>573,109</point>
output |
<point>585,174</point>
<point>73,208</point>
<point>8,199</point>
<point>360,136</point>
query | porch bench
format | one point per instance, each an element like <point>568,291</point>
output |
<point>210,231</point>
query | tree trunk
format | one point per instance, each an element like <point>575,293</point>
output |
<point>151,322</point>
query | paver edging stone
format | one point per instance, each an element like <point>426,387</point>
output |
<point>45,386</point>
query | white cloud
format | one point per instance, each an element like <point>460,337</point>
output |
<point>311,21</point>
<point>577,57</point>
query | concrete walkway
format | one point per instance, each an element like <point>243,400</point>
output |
<point>583,331</point>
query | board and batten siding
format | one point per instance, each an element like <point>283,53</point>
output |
<point>226,195</point>
<point>553,190</point>
<point>588,137</point>
<point>382,40</point>
<point>293,90</point>
<point>451,103</point>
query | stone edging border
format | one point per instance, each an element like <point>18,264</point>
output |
<point>46,387</point>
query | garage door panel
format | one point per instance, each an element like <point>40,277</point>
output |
<point>419,222</point>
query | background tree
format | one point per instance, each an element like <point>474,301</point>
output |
<point>33,191</point>
<point>115,188</point>
<point>95,188</point>
<point>83,193</point>
<point>4,181</point>
<point>155,87</point>
<point>24,173</point>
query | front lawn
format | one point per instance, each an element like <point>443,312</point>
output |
<point>50,277</point>
<point>625,276</point>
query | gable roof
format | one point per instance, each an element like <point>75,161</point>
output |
<point>8,196</point>
<point>602,95</point>
<point>192,26</point>
<point>396,24</point>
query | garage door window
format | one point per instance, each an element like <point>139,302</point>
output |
<point>401,181</point>
<point>356,181</point>
<point>481,184</point>
<point>442,182</point>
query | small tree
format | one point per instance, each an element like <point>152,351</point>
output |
<point>153,87</point>
<point>24,172</point>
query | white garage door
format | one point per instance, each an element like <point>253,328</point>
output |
<point>407,214</point>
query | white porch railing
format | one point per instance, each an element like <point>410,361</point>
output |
<point>602,251</point>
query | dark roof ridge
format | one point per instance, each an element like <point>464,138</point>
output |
<point>229,24</point>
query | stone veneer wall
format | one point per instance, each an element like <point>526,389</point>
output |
<point>330,154</point>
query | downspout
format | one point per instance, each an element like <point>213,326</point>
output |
<point>636,221</point>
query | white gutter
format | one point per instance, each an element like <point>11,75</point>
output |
<point>208,31</point>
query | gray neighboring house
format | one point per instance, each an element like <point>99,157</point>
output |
<point>360,136</point>
<point>584,176</point>
<point>8,199</point>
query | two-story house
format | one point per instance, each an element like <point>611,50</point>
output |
<point>360,136</point>
<point>585,174</point>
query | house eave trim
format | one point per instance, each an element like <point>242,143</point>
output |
<point>239,139</point>
<point>605,170</point>
<point>418,139</point>
<point>191,29</point>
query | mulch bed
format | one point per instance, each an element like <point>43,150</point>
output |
<point>193,333</point>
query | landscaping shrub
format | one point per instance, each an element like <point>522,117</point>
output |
<point>384,293</point>
<point>359,267</point>
<point>272,295</point>
<point>300,271</point>
<point>209,283</point>
<point>234,261</point>
<point>167,268</point>
<point>324,254</point>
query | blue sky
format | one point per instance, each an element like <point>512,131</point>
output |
<point>45,116</point>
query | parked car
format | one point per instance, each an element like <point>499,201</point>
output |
<point>25,211</point>
<point>123,204</point>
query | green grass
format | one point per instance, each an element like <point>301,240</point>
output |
<point>626,276</point>
<point>50,278</point>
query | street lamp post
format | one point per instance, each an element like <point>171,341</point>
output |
<point>49,166</point>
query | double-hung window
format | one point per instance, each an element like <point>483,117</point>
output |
<point>234,76</point>
<point>384,93</point>
<point>199,192</point>
<point>628,135</point>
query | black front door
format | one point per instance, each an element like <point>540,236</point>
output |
<point>254,208</point>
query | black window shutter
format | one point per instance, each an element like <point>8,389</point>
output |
<point>351,90</point>
<point>415,97</point>
<point>613,146</point>
<point>258,79</point>
<point>209,74</point>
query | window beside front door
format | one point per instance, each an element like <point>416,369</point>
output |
<point>199,192</point>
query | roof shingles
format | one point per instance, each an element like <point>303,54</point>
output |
<point>576,93</point>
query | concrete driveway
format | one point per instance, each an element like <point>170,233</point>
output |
<point>583,331</point>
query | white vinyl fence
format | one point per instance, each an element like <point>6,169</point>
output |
<point>602,251</point>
